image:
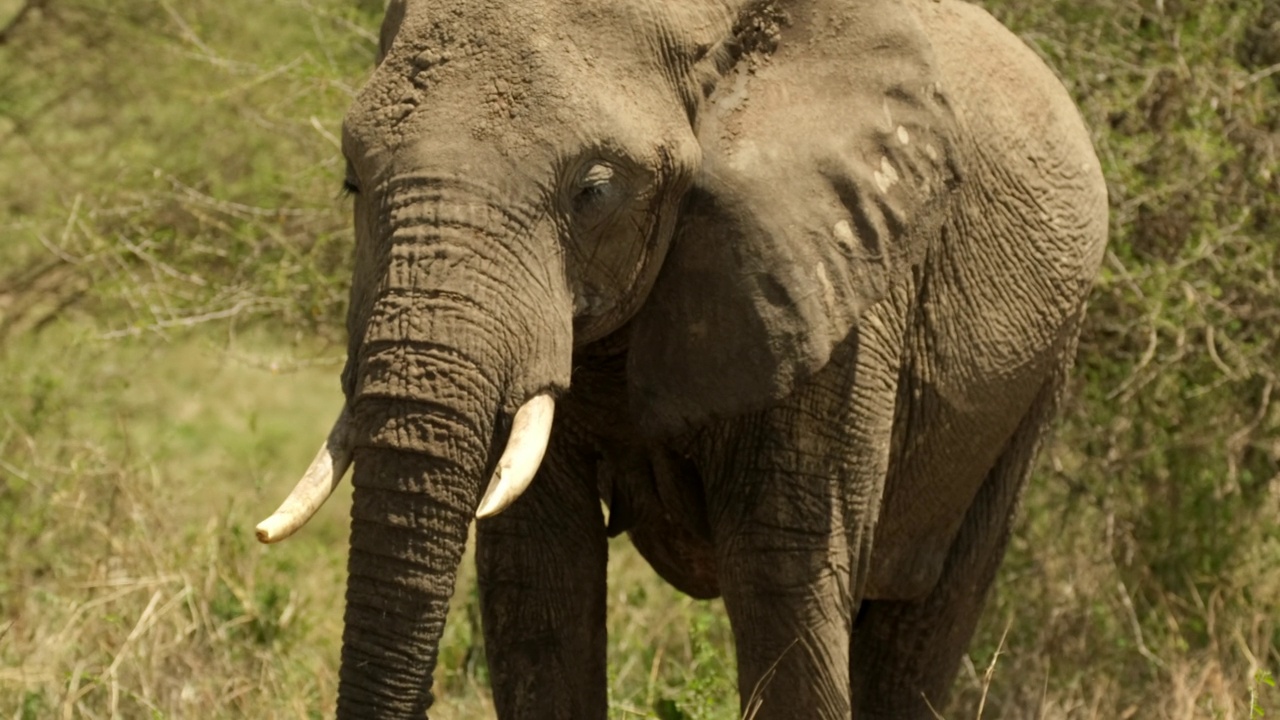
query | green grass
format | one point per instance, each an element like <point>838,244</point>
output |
<point>132,584</point>
<point>172,285</point>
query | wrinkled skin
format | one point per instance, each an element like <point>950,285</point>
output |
<point>806,279</point>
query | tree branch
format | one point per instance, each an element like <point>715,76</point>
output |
<point>7,31</point>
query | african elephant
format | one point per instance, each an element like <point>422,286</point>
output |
<point>800,282</point>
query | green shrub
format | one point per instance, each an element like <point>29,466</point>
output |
<point>168,164</point>
<point>1145,556</point>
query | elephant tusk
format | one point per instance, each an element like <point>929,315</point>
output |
<point>520,460</point>
<point>316,485</point>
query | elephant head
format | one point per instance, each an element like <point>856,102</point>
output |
<point>717,181</point>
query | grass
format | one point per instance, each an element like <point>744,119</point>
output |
<point>172,284</point>
<point>136,587</point>
<point>132,586</point>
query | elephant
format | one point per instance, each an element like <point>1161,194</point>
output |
<point>786,290</point>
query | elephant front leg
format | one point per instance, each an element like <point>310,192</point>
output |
<point>785,573</point>
<point>541,567</point>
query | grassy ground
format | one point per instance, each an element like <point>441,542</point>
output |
<point>171,286</point>
<point>132,585</point>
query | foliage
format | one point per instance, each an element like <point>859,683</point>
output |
<point>168,198</point>
<point>169,164</point>
<point>1142,579</point>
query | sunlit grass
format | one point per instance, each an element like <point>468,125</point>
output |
<point>133,472</point>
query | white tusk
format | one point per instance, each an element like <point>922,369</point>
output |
<point>316,485</point>
<point>530,431</point>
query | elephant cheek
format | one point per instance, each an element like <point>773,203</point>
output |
<point>612,269</point>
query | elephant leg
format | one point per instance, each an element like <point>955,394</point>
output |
<point>792,495</point>
<point>906,653</point>
<point>784,570</point>
<point>541,566</point>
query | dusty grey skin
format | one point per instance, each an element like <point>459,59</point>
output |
<point>806,278</point>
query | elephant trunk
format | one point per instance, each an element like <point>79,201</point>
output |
<point>464,326</point>
<point>409,525</point>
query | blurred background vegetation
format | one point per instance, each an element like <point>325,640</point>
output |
<point>173,253</point>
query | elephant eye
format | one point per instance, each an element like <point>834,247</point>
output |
<point>595,189</point>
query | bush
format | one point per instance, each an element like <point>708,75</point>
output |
<point>1142,581</point>
<point>167,166</point>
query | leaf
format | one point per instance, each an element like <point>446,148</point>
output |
<point>667,709</point>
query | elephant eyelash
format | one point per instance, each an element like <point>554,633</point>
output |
<point>350,187</point>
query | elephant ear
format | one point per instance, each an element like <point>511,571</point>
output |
<point>827,148</point>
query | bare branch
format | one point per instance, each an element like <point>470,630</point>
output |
<point>243,307</point>
<point>6,33</point>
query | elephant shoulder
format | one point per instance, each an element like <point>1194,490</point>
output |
<point>1013,112</point>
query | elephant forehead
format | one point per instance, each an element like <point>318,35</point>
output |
<point>511,73</point>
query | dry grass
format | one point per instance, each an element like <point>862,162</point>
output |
<point>132,586</point>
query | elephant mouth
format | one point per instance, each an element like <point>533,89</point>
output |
<point>526,446</point>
